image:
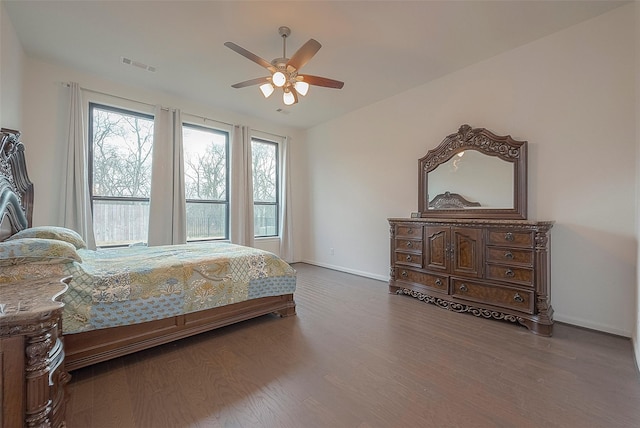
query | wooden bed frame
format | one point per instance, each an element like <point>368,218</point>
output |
<point>86,348</point>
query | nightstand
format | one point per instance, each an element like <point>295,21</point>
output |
<point>33,376</point>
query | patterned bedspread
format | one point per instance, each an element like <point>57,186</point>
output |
<point>124,286</point>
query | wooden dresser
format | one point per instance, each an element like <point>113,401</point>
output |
<point>32,354</point>
<point>470,247</point>
<point>490,268</point>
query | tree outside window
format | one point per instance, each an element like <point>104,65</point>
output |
<point>120,149</point>
<point>265,187</point>
<point>206,182</point>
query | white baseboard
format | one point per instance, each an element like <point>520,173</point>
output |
<point>347,270</point>
<point>580,322</point>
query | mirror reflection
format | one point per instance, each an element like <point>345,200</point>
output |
<point>474,173</point>
<point>481,181</point>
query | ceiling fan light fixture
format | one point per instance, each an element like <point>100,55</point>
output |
<point>279,79</point>
<point>288,98</point>
<point>267,89</point>
<point>302,88</point>
<point>285,72</point>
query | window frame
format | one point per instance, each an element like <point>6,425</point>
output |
<point>227,180</point>
<point>90,161</point>
<point>277,185</point>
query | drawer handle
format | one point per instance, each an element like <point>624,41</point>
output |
<point>409,244</point>
<point>463,288</point>
<point>509,273</point>
<point>438,282</point>
<point>409,231</point>
<point>404,274</point>
<point>408,257</point>
<point>508,236</point>
<point>518,298</point>
<point>508,255</point>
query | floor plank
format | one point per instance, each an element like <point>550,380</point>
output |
<point>356,356</point>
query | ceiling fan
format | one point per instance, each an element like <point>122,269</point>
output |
<point>284,71</point>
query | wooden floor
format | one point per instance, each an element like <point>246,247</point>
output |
<point>356,356</point>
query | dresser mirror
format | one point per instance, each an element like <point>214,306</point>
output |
<point>474,174</point>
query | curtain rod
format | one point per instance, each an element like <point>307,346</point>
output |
<point>269,133</point>
<point>66,84</point>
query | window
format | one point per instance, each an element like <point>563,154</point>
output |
<point>119,174</point>
<point>206,181</point>
<point>265,187</point>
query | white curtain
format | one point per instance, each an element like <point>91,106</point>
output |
<point>76,204</point>
<point>241,198</point>
<point>167,206</point>
<point>286,220</point>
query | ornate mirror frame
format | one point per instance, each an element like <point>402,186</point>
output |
<point>486,142</point>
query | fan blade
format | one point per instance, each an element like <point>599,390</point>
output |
<point>253,57</point>
<point>321,81</point>
<point>256,81</point>
<point>304,54</point>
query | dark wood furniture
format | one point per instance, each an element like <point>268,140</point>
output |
<point>95,346</point>
<point>490,262</point>
<point>486,142</point>
<point>32,386</point>
<point>83,349</point>
<point>16,190</point>
<point>491,268</point>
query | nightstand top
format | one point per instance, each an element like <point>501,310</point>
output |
<point>29,299</point>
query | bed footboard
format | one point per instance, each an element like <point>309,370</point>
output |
<point>91,347</point>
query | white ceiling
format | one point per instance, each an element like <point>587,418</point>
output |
<point>378,48</point>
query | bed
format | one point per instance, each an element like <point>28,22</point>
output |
<point>125,300</point>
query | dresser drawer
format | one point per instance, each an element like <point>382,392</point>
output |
<point>409,245</point>
<point>496,295</point>
<point>435,282</point>
<point>408,259</point>
<point>510,238</point>
<point>409,231</point>
<point>510,256</point>
<point>516,275</point>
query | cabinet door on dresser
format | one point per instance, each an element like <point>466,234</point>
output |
<point>437,248</point>
<point>454,250</point>
<point>467,248</point>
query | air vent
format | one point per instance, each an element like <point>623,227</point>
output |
<point>138,64</point>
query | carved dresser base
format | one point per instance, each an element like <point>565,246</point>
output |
<point>535,326</point>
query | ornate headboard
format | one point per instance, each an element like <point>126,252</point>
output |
<point>16,190</point>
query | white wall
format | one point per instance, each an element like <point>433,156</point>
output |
<point>45,121</point>
<point>11,66</point>
<point>570,95</point>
